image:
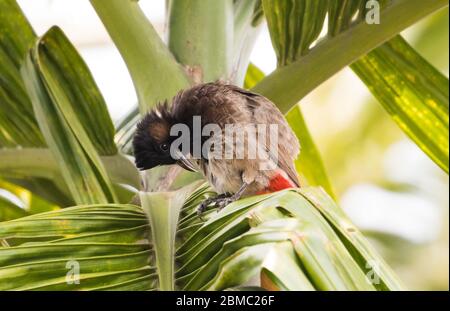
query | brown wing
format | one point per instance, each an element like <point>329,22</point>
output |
<point>221,104</point>
<point>264,111</point>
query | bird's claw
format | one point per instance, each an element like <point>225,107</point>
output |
<point>221,203</point>
<point>218,202</point>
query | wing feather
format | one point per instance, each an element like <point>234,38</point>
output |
<point>264,111</point>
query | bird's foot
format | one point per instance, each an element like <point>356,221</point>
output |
<point>218,202</point>
<point>221,203</point>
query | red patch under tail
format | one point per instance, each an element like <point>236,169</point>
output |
<point>277,183</point>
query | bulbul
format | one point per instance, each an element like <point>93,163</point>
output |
<point>219,106</point>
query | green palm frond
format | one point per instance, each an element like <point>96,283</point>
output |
<point>413,92</point>
<point>51,83</point>
<point>291,240</point>
<point>18,125</point>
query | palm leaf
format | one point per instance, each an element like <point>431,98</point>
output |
<point>246,234</point>
<point>18,125</point>
<point>64,70</point>
<point>294,25</point>
<point>163,210</point>
<point>108,242</point>
<point>413,92</point>
<point>35,169</point>
<point>355,242</point>
<point>51,89</point>
<point>248,239</point>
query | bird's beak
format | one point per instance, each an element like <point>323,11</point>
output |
<point>185,162</point>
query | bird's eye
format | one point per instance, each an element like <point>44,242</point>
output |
<point>164,147</point>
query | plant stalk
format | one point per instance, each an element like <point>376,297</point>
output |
<point>201,36</point>
<point>155,73</point>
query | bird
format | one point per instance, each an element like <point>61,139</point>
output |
<point>221,106</point>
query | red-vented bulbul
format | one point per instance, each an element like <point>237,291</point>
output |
<point>221,105</point>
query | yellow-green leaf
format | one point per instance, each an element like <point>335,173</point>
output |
<point>413,92</point>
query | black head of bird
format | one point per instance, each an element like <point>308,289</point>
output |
<point>151,142</point>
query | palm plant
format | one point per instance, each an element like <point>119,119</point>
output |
<point>58,145</point>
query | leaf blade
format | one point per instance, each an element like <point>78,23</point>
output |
<point>16,113</point>
<point>413,92</point>
<point>120,259</point>
<point>80,163</point>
